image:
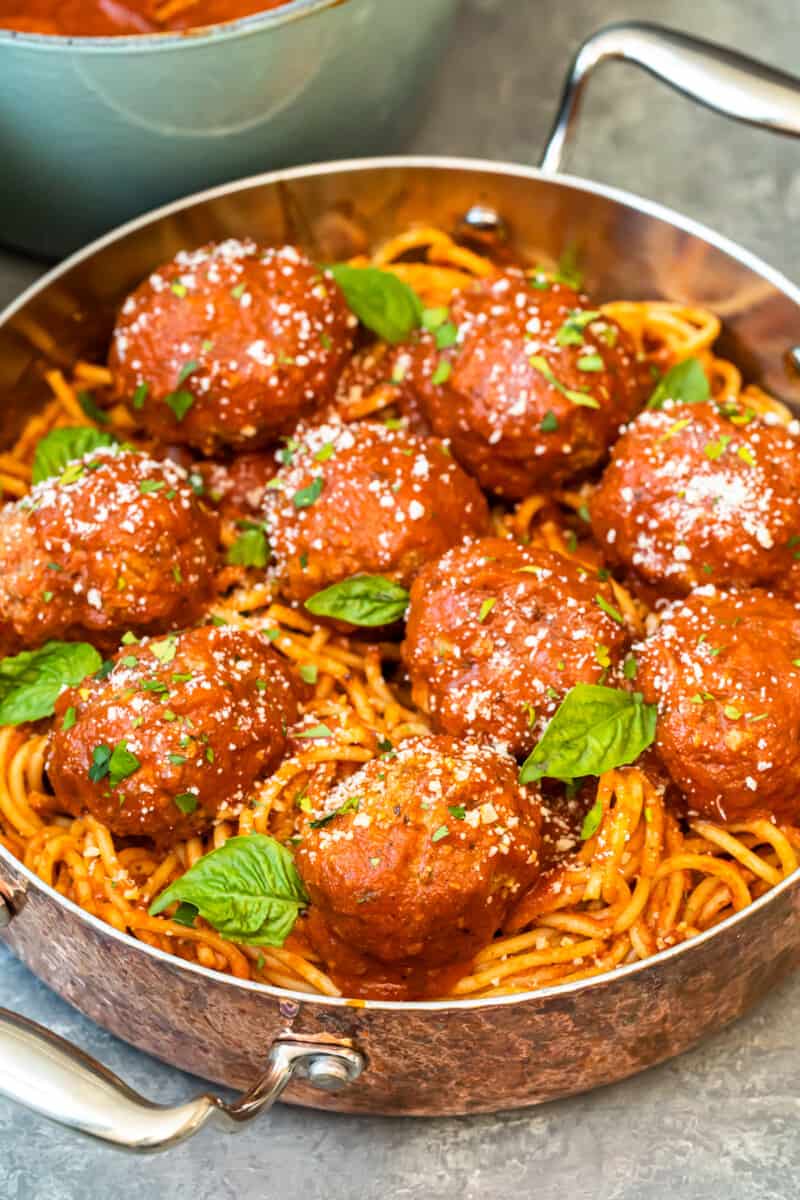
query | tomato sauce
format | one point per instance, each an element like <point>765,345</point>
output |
<point>109,18</point>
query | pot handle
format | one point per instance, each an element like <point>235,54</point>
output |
<point>728,82</point>
<point>47,1074</point>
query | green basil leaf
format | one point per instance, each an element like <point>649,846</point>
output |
<point>381,301</point>
<point>248,889</point>
<point>30,682</point>
<point>361,600</point>
<point>594,730</point>
<point>251,549</point>
<point>60,447</point>
<point>685,383</point>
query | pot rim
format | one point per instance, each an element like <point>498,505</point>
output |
<point>429,162</point>
<point>202,35</point>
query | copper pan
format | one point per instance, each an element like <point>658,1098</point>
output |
<point>422,1058</point>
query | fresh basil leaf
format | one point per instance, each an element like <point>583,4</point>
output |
<point>594,730</point>
<point>685,383</point>
<point>248,889</point>
<point>361,600</point>
<point>251,549</point>
<point>60,447</point>
<point>381,301</point>
<point>31,682</point>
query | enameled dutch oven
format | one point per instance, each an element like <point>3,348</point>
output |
<point>94,131</point>
<point>437,1057</point>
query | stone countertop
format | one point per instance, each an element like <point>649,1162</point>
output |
<point>719,1122</point>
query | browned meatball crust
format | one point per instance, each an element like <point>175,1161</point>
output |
<point>535,385</point>
<point>202,713</point>
<point>230,345</point>
<point>432,845</point>
<point>498,633</point>
<point>237,488</point>
<point>119,542</point>
<point>366,498</point>
<point>724,669</point>
<point>696,495</point>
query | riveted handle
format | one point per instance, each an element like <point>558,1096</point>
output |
<point>57,1080</point>
<point>725,80</point>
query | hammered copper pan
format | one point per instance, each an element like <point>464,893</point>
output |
<point>438,1057</point>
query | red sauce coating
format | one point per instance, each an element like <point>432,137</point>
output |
<point>497,634</point>
<point>238,487</point>
<point>724,669</point>
<point>436,841</point>
<point>366,498</point>
<point>126,545</point>
<point>692,496</point>
<point>230,345</point>
<point>107,18</point>
<point>511,422</point>
<point>204,714</point>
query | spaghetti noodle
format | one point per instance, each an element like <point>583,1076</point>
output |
<point>642,881</point>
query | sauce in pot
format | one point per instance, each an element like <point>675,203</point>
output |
<point>107,18</point>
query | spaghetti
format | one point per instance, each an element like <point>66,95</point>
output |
<point>644,879</point>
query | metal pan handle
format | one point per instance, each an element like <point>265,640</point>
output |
<point>724,80</point>
<point>59,1081</point>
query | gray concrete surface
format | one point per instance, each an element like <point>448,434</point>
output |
<point>719,1122</point>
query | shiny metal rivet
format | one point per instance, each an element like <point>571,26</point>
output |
<point>6,912</point>
<point>328,1073</point>
<point>484,219</point>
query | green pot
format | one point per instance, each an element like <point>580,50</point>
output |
<point>96,130</point>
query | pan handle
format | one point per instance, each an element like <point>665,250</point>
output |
<point>728,82</point>
<point>54,1078</point>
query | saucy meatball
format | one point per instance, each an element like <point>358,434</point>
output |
<point>237,488</point>
<point>724,670</point>
<point>695,494</point>
<point>230,345</point>
<point>366,498</point>
<point>178,728</point>
<point>529,383</point>
<point>498,633</point>
<point>419,855</point>
<point>118,541</point>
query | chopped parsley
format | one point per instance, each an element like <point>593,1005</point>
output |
<point>609,609</point>
<point>307,496</point>
<point>583,399</point>
<point>444,370</point>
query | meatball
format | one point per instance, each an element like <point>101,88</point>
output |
<point>238,488</point>
<point>419,855</point>
<point>366,498</point>
<point>230,344</point>
<point>498,633</point>
<point>178,728</point>
<point>695,494</point>
<point>529,383</point>
<point>724,670</point>
<point>118,542</point>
